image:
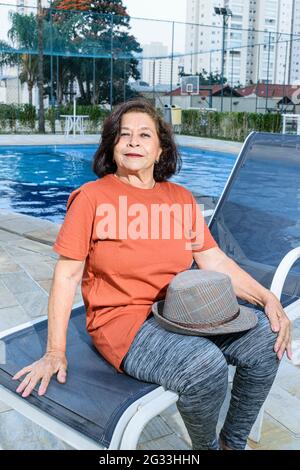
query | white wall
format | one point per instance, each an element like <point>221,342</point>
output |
<point>248,105</point>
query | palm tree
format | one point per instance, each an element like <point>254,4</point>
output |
<point>23,34</point>
<point>29,70</point>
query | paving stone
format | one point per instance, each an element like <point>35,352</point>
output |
<point>288,378</point>
<point>28,247</point>
<point>12,316</point>
<point>155,429</point>
<point>170,442</point>
<point>35,303</point>
<point>8,237</point>
<point>274,437</point>
<point>7,299</point>
<point>21,225</point>
<point>172,417</point>
<point>285,408</point>
<point>20,282</point>
<point>7,263</point>
<point>39,271</point>
<point>19,433</point>
<point>48,237</point>
<point>46,285</point>
<point>4,407</point>
<point>35,246</point>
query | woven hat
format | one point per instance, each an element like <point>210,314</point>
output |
<point>201,302</point>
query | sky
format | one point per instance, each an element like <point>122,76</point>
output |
<point>147,31</point>
<point>173,10</point>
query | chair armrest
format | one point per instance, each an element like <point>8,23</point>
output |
<point>283,270</point>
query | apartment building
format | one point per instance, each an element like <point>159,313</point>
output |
<point>156,66</point>
<point>258,43</point>
<point>294,72</point>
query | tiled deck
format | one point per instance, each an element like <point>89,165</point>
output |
<point>27,262</point>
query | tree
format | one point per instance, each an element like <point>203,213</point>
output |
<point>23,34</point>
<point>97,29</point>
<point>29,72</point>
<point>79,43</point>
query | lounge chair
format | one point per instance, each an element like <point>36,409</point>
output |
<point>99,408</point>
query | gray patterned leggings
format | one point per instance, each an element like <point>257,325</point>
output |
<point>196,368</point>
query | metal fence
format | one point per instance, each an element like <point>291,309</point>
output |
<point>98,57</point>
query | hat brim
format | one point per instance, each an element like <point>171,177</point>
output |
<point>246,320</point>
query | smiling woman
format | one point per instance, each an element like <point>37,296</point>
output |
<point>137,145</point>
<point>137,150</point>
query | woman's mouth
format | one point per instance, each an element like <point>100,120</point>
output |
<point>135,155</point>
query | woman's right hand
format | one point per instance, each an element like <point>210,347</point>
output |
<point>51,363</point>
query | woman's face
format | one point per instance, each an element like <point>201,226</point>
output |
<point>138,146</point>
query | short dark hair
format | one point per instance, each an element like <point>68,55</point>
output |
<point>170,160</point>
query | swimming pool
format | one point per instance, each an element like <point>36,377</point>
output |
<point>38,180</point>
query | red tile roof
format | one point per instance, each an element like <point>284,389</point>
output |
<point>261,89</point>
<point>272,91</point>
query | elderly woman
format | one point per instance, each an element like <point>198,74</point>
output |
<point>125,264</point>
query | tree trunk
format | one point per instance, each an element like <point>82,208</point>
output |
<point>88,91</point>
<point>97,93</point>
<point>29,87</point>
<point>40,80</point>
<point>81,87</point>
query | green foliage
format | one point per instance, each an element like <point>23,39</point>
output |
<point>227,125</point>
<point>27,115</point>
<point>96,114</point>
<point>9,116</point>
<point>50,116</point>
<point>12,115</point>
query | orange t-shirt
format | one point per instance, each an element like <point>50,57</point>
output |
<point>125,273</point>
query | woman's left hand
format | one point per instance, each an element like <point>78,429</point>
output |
<point>280,324</point>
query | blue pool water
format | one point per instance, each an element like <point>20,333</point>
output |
<point>38,180</point>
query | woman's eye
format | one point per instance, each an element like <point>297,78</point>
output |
<point>124,133</point>
<point>145,135</point>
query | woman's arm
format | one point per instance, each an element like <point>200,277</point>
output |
<point>247,288</point>
<point>67,275</point>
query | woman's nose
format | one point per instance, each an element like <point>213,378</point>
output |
<point>133,141</point>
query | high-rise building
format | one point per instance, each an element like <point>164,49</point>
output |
<point>294,71</point>
<point>156,65</point>
<point>260,40</point>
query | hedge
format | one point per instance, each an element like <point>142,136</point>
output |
<point>227,126</point>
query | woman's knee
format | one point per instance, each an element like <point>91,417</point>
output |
<point>204,369</point>
<point>257,346</point>
<point>265,337</point>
